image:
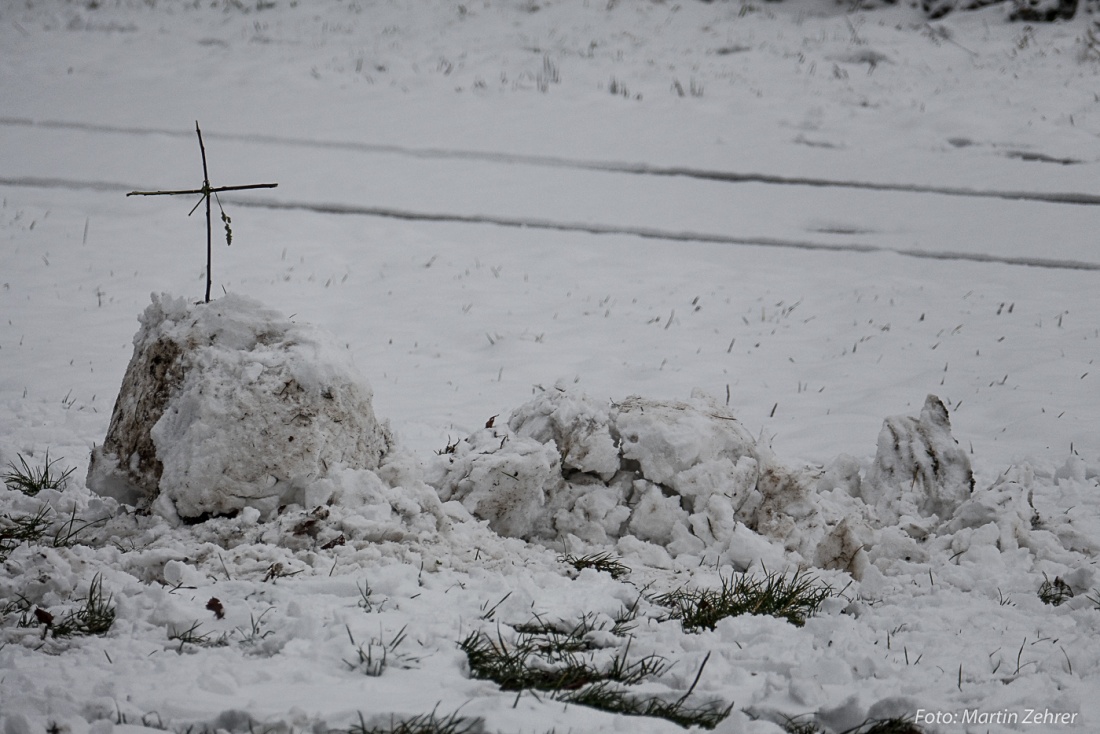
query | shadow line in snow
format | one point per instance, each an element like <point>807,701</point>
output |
<point>640,169</point>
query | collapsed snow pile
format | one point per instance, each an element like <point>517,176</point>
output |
<point>686,477</point>
<point>230,409</point>
<point>229,405</point>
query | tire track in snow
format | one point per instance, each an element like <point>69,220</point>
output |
<point>659,234</point>
<point>640,169</point>
<point>585,227</point>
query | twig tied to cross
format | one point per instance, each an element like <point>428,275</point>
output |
<point>206,191</point>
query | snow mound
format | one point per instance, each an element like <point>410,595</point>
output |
<point>687,479</point>
<point>229,405</point>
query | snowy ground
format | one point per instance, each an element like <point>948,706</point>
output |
<point>632,198</point>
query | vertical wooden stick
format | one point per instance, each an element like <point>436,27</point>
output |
<point>206,195</point>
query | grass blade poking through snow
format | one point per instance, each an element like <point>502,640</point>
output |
<point>897,725</point>
<point>423,724</point>
<point>24,529</point>
<point>609,697</point>
<point>559,659</point>
<point>794,599</point>
<point>94,617</point>
<point>31,480</point>
<point>606,562</point>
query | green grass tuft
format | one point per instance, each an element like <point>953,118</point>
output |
<point>377,655</point>
<point>607,697</point>
<point>535,662</point>
<point>560,659</point>
<point>798,725</point>
<point>18,529</point>
<point>192,636</point>
<point>31,480</point>
<point>423,724</point>
<point>606,562</point>
<point>94,617</point>
<point>795,599</point>
<point>561,636</point>
<point>24,529</point>
<point>67,531</point>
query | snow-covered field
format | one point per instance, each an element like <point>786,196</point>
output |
<point>802,216</point>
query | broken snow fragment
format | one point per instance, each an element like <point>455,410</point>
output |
<point>566,465</point>
<point>503,479</point>
<point>655,516</point>
<point>842,549</point>
<point>577,425</point>
<point>1008,504</point>
<point>669,438</point>
<point>919,467</point>
<point>229,405</point>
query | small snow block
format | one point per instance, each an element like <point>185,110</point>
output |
<point>578,426</point>
<point>919,468</point>
<point>503,479</point>
<point>228,405</point>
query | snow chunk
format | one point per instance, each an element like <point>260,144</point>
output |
<point>577,425</point>
<point>507,487</point>
<point>668,438</point>
<point>919,467</point>
<point>566,465</point>
<point>227,405</point>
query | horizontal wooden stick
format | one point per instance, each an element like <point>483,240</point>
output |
<point>203,191</point>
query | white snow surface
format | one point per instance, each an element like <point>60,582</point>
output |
<point>686,372</point>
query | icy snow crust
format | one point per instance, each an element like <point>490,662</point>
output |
<point>228,405</point>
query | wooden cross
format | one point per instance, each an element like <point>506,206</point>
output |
<point>206,191</point>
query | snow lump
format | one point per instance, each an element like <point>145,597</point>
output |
<point>682,475</point>
<point>919,468</point>
<point>229,405</point>
<point>687,477</point>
